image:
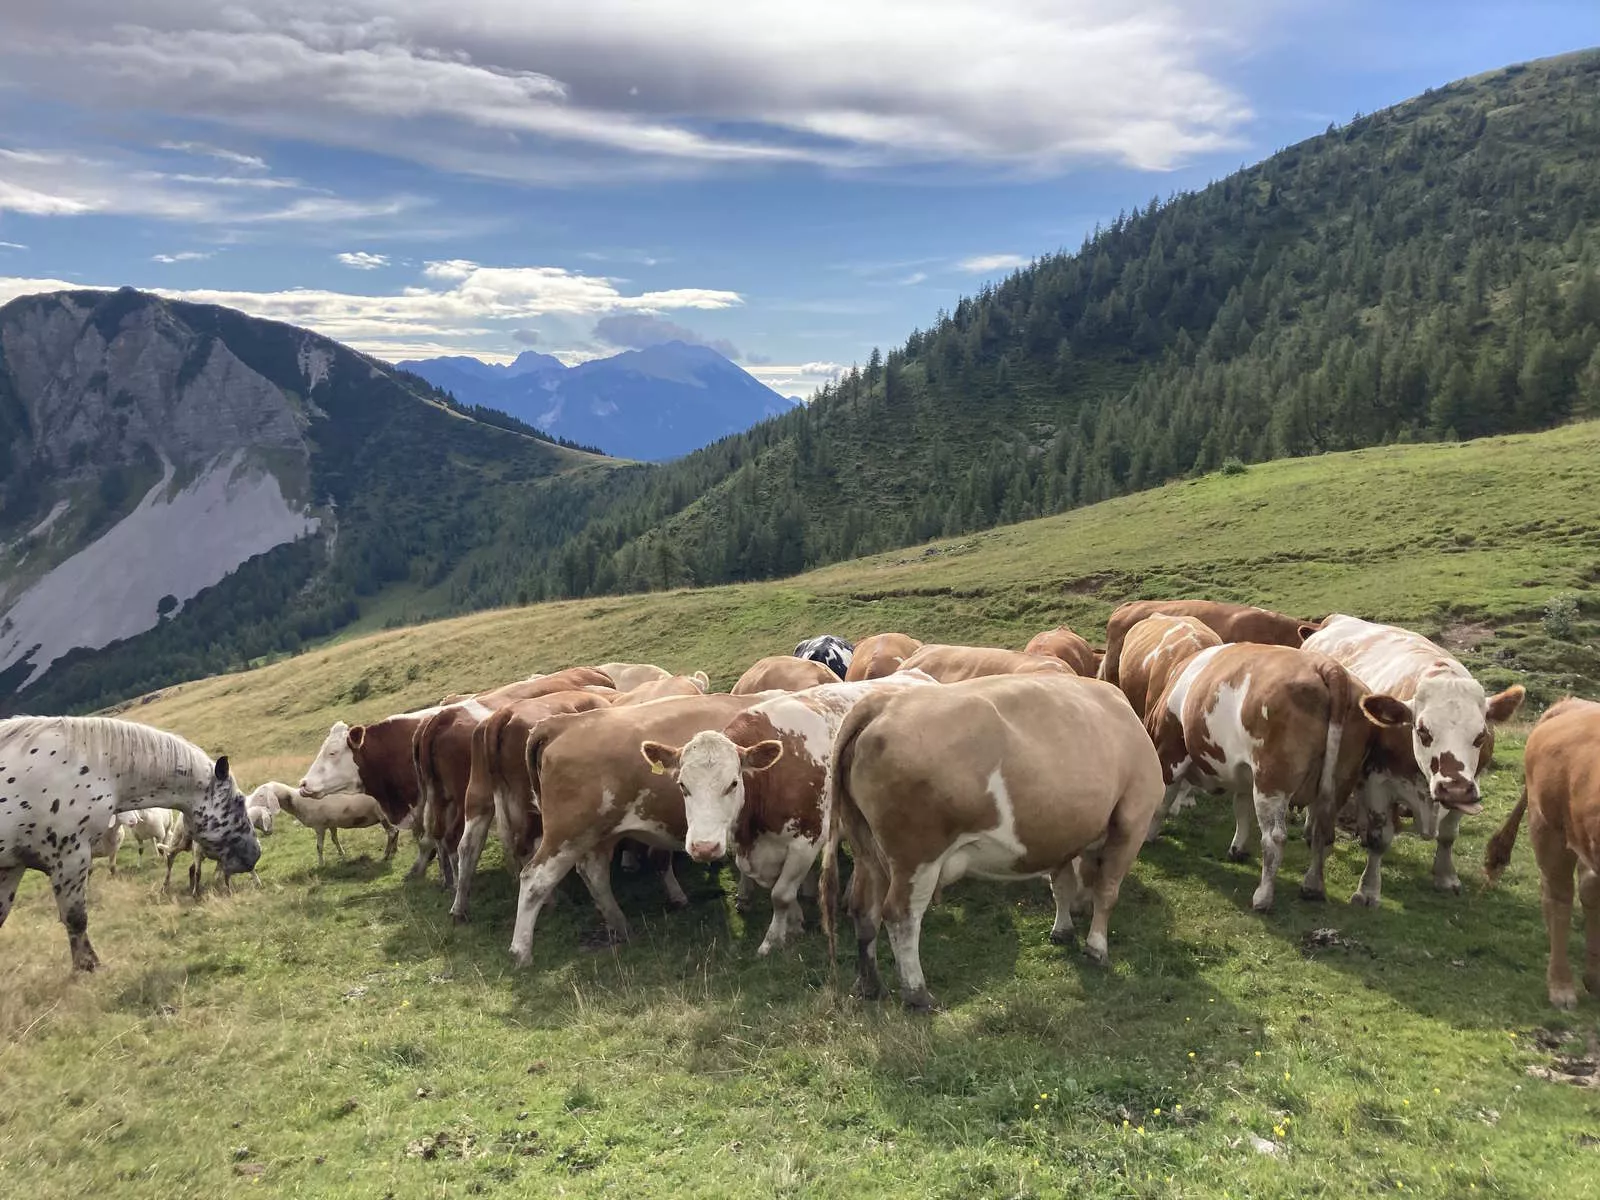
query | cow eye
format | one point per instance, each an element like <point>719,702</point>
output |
<point>1424,736</point>
<point>730,787</point>
<point>1479,740</point>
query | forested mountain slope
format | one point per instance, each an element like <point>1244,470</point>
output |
<point>1428,271</point>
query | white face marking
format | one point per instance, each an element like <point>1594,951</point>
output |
<point>712,782</point>
<point>1450,726</point>
<point>334,769</point>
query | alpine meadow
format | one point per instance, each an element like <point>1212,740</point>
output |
<point>835,820</point>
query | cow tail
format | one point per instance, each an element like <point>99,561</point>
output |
<point>1343,696</point>
<point>1497,854</point>
<point>428,787</point>
<point>839,805</point>
<point>538,740</point>
<point>486,740</point>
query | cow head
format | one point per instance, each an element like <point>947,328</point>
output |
<point>335,768</point>
<point>709,769</point>
<point>219,824</point>
<point>1452,735</point>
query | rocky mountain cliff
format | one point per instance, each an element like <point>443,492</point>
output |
<point>149,450</point>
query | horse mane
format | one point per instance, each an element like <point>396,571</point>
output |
<point>108,740</point>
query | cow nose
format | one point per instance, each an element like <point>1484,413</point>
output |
<point>704,852</point>
<point>1456,791</point>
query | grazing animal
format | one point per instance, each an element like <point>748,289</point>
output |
<point>1433,767</point>
<point>62,778</point>
<point>757,786</point>
<point>154,825</point>
<point>264,804</point>
<point>1561,797</point>
<point>626,676</point>
<point>329,812</point>
<point>377,760</point>
<point>180,839</point>
<point>879,655</point>
<point>594,787</point>
<point>661,689</point>
<point>1066,645</point>
<point>108,843</point>
<point>954,664</point>
<point>1230,622</point>
<point>782,673</point>
<point>831,651</point>
<point>1006,777</point>
<point>1152,655</point>
<point>1279,729</point>
<point>498,788</point>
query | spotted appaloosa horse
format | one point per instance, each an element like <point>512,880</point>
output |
<point>63,778</point>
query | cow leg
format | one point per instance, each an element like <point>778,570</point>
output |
<point>447,865</point>
<point>1444,867</point>
<point>539,879</point>
<point>866,906</point>
<point>1064,887</point>
<point>1589,893</point>
<point>1171,801</point>
<point>595,870</point>
<point>69,880</point>
<point>468,853</point>
<point>392,840</point>
<point>744,899</point>
<point>675,894</point>
<point>787,919</point>
<point>1378,838</point>
<point>1320,832</point>
<point>907,900</point>
<point>10,877</point>
<point>1102,869</point>
<point>1272,812</point>
<point>1555,890</point>
<point>1245,816</point>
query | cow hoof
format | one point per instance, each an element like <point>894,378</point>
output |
<point>1261,904</point>
<point>522,959</point>
<point>1315,894</point>
<point>1095,951</point>
<point>1362,900</point>
<point>1451,885</point>
<point>1564,998</point>
<point>920,1001</point>
<point>677,903</point>
<point>1238,854</point>
<point>1064,937</point>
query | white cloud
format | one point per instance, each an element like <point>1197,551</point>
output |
<point>549,89</point>
<point>915,277</point>
<point>182,256</point>
<point>826,370</point>
<point>363,261</point>
<point>987,264</point>
<point>12,246</point>
<point>462,302</point>
<point>248,161</point>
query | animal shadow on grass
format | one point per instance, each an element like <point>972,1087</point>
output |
<point>1466,959</point>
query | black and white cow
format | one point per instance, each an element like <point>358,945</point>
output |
<point>832,652</point>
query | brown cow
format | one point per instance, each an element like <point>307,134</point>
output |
<point>1154,652</point>
<point>441,750</point>
<point>1561,795</point>
<point>570,679</point>
<point>1004,778</point>
<point>1071,649</point>
<point>1281,730</point>
<point>1432,767</point>
<point>757,786</point>
<point>594,787</point>
<point>1230,622</point>
<point>879,655</point>
<point>782,673</point>
<point>498,789</point>
<point>661,689</point>
<point>626,676</point>
<point>953,664</point>
<point>375,759</point>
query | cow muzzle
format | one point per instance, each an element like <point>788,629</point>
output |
<point>1458,795</point>
<point>705,852</point>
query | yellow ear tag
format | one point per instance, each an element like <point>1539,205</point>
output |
<point>657,769</point>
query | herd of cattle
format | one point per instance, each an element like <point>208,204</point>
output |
<point>933,762</point>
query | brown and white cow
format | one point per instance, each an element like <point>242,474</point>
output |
<point>1433,767</point>
<point>1230,622</point>
<point>1561,796</point>
<point>375,759</point>
<point>498,788</point>
<point>1154,652</point>
<point>1007,777</point>
<point>757,786</point>
<point>953,664</point>
<point>782,673</point>
<point>879,655</point>
<point>660,689</point>
<point>594,787</point>
<point>1280,730</point>
<point>442,753</point>
<point>1066,645</point>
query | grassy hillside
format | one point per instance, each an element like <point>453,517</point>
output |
<point>333,1034</point>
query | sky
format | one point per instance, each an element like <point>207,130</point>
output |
<point>790,183</point>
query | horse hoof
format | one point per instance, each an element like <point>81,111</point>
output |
<point>920,1001</point>
<point>1317,895</point>
<point>1362,900</point>
<point>1063,937</point>
<point>1238,854</point>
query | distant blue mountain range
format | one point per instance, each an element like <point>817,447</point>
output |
<point>657,403</point>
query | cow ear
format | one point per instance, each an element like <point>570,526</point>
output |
<point>221,769</point>
<point>356,736</point>
<point>661,758</point>
<point>1386,710</point>
<point>1307,628</point>
<point>1502,707</point>
<point>760,756</point>
<point>701,681</point>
